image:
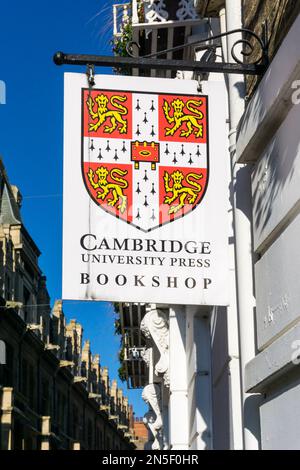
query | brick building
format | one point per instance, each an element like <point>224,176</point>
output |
<point>54,394</point>
<point>140,433</point>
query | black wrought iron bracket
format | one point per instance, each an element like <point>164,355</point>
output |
<point>204,65</point>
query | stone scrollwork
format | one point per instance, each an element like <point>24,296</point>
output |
<point>153,418</point>
<point>155,326</point>
<point>186,10</point>
<point>155,11</point>
<point>148,419</point>
<point>146,356</point>
<point>167,378</point>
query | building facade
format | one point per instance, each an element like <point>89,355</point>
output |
<point>54,394</point>
<point>268,141</point>
<point>140,433</point>
<point>227,378</point>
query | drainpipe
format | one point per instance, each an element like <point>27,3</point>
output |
<point>242,209</point>
<point>234,367</point>
<point>223,29</point>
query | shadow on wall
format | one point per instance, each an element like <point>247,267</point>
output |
<point>277,154</point>
<point>276,170</point>
<point>251,419</point>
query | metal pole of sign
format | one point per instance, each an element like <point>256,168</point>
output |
<point>60,58</point>
<point>241,178</point>
<point>234,372</point>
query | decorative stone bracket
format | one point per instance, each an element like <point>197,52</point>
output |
<point>153,418</point>
<point>155,326</point>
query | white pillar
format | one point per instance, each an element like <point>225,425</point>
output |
<point>135,16</point>
<point>178,404</point>
<point>223,28</point>
<point>242,225</point>
<point>235,387</point>
<point>203,382</point>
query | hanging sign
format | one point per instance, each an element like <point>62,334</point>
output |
<point>145,191</point>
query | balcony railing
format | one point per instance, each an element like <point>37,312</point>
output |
<point>122,14</point>
<point>162,23</point>
<point>153,12</point>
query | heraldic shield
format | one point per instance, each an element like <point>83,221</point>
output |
<point>145,156</point>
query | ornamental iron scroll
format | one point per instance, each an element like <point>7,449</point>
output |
<point>245,47</point>
<point>149,61</point>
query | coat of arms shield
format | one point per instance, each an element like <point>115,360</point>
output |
<point>145,156</point>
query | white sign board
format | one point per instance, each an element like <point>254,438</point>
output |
<point>145,191</point>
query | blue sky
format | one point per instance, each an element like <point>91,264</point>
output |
<point>31,135</point>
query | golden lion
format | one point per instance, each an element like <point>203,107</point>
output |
<point>180,117</point>
<point>102,113</point>
<point>179,191</point>
<point>116,189</point>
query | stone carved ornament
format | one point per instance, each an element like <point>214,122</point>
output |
<point>148,419</point>
<point>153,418</point>
<point>155,10</point>
<point>146,356</point>
<point>155,326</point>
<point>186,10</point>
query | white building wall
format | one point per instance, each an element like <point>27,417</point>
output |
<point>221,403</point>
<point>282,404</point>
<point>202,382</point>
<point>178,401</point>
<point>199,391</point>
<point>269,137</point>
